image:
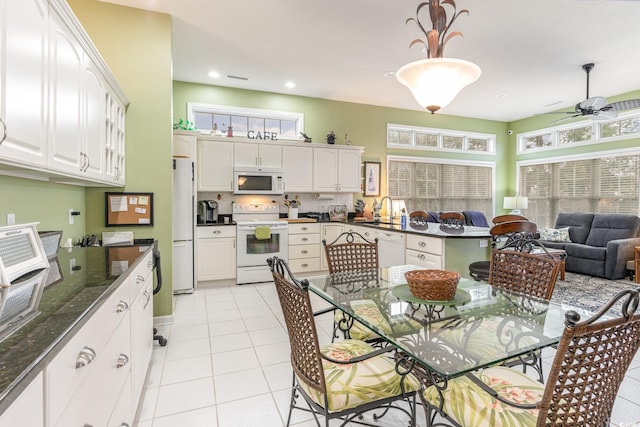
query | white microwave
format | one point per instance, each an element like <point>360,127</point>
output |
<point>258,182</point>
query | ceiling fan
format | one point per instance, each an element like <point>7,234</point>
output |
<point>597,107</point>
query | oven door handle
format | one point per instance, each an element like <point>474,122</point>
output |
<point>253,227</point>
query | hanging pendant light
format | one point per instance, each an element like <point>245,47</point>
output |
<point>436,81</point>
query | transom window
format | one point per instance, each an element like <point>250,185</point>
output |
<point>604,184</point>
<point>400,136</point>
<point>425,184</point>
<point>580,133</point>
<point>247,122</point>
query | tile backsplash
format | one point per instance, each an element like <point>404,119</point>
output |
<point>309,202</point>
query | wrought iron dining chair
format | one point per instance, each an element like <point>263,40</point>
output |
<point>352,252</point>
<point>502,233</point>
<point>590,363</point>
<point>524,273</point>
<point>343,379</point>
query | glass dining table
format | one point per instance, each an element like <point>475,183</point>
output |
<point>481,326</point>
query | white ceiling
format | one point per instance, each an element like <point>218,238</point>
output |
<point>530,52</point>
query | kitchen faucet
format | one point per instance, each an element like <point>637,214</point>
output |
<point>377,206</point>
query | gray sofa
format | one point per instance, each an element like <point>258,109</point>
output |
<point>601,244</point>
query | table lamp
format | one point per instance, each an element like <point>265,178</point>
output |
<point>515,204</point>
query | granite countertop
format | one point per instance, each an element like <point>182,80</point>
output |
<point>79,281</point>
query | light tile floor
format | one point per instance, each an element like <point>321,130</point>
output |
<point>226,364</point>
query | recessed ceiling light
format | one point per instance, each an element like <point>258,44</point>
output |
<point>214,74</point>
<point>390,74</point>
<point>290,85</point>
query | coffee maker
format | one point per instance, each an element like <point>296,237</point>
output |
<point>207,211</point>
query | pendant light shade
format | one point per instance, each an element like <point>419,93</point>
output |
<point>435,82</point>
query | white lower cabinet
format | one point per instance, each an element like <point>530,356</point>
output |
<point>28,409</point>
<point>123,413</point>
<point>330,232</point>
<point>425,251</point>
<point>96,379</point>
<point>216,248</point>
<point>304,247</point>
<point>141,338</point>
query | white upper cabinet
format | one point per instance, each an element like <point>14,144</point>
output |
<point>336,170</point>
<point>23,72</point>
<point>63,108</point>
<point>256,155</point>
<point>297,162</point>
<point>215,165</point>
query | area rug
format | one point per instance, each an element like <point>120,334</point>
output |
<point>589,293</point>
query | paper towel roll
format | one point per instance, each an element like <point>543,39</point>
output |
<point>325,196</point>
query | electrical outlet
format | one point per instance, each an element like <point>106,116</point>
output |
<point>71,216</point>
<point>11,219</point>
<point>484,243</point>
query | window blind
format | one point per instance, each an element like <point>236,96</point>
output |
<point>441,187</point>
<point>602,185</point>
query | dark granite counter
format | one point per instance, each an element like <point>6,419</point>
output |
<point>79,281</point>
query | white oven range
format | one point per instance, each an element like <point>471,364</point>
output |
<point>253,252</point>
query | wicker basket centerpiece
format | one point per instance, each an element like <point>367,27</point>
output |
<point>433,285</point>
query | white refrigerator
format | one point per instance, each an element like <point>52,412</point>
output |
<point>183,225</point>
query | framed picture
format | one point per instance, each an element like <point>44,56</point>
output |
<point>371,178</point>
<point>128,209</point>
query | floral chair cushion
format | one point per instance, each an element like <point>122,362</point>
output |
<point>469,405</point>
<point>353,384</point>
<point>367,309</point>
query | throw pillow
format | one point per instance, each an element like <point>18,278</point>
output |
<point>555,235</point>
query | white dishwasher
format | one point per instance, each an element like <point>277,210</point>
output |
<point>391,247</point>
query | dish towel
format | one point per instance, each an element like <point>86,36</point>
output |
<point>263,232</point>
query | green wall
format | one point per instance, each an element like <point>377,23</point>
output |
<point>43,202</point>
<point>365,124</point>
<point>136,44</point>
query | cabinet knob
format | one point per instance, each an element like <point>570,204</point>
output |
<point>85,357</point>
<point>123,359</point>
<point>122,306</point>
<point>422,244</point>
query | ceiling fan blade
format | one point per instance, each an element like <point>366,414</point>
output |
<point>566,118</point>
<point>605,114</point>
<point>629,104</point>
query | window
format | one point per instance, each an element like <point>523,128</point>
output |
<point>599,185</point>
<point>580,133</point>
<point>417,138</point>
<point>248,122</point>
<point>426,185</point>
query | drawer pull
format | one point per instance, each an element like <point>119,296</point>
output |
<point>124,425</point>
<point>123,359</point>
<point>139,279</point>
<point>422,257</point>
<point>304,239</point>
<point>305,265</point>
<point>85,357</point>
<point>422,244</point>
<point>147,295</point>
<point>217,232</point>
<point>122,306</point>
<point>304,252</point>
<point>304,228</point>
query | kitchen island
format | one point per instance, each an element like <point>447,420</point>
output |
<point>88,340</point>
